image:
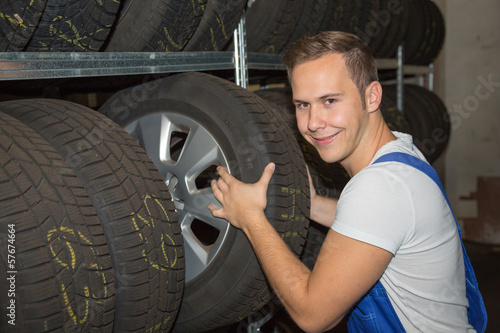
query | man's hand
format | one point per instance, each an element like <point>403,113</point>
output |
<point>241,203</point>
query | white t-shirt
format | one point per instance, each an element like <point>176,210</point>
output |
<point>400,209</point>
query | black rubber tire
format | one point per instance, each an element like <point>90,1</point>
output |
<point>394,117</point>
<point>370,26</point>
<point>426,33</point>
<point>357,17</point>
<point>416,29</point>
<point>249,136</point>
<point>217,25</point>
<point>427,118</point>
<point>55,252</point>
<point>155,25</point>
<point>271,23</point>
<point>312,16</point>
<point>342,13</point>
<point>436,39</point>
<point>390,23</point>
<point>74,25</point>
<point>314,242</point>
<point>396,30</point>
<point>436,115</point>
<point>133,204</point>
<point>18,21</point>
<point>334,15</point>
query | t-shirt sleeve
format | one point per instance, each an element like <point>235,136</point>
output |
<point>375,207</point>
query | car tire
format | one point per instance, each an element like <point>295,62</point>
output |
<point>56,268</point>
<point>158,26</point>
<point>73,26</point>
<point>188,124</point>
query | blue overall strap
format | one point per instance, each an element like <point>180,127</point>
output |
<point>374,314</point>
<point>477,311</point>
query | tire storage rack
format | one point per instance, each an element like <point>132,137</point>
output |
<point>103,213</point>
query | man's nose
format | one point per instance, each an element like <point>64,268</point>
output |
<point>316,119</point>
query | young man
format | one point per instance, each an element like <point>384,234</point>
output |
<point>391,223</point>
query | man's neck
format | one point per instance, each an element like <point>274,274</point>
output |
<point>377,135</point>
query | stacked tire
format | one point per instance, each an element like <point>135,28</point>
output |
<point>96,242</point>
<point>382,24</point>
<point>117,26</point>
<point>208,25</point>
<point>426,115</point>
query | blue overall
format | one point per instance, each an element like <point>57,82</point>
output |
<point>374,313</point>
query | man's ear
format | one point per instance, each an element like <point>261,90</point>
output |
<point>373,96</point>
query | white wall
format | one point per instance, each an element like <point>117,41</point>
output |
<point>468,81</point>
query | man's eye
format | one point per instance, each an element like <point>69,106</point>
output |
<point>302,106</point>
<point>329,101</point>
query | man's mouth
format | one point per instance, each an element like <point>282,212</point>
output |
<point>325,140</point>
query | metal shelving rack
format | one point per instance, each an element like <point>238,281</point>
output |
<point>52,65</point>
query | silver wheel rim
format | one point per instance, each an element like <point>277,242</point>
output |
<point>186,155</point>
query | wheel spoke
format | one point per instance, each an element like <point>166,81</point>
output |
<point>200,151</point>
<point>153,133</point>
<point>197,254</point>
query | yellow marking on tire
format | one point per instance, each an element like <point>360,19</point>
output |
<point>149,222</point>
<point>212,39</point>
<point>158,326</point>
<point>71,313</point>
<point>164,250</point>
<point>52,234</point>
<point>170,40</point>
<point>270,49</point>
<point>76,40</point>
<point>290,234</point>
<point>293,192</point>
<point>70,248</point>
<point>223,28</point>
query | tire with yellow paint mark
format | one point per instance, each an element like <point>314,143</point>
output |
<point>188,124</point>
<point>74,25</point>
<point>312,15</point>
<point>55,268</point>
<point>18,21</point>
<point>155,25</point>
<point>132,202</point>
<point>217,25</point>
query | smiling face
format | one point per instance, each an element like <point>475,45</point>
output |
<point>329,109</point>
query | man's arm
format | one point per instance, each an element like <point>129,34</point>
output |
<point>345,269</point>
<point>323,210</point>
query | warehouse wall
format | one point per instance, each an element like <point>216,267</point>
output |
<point>468,81</point>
